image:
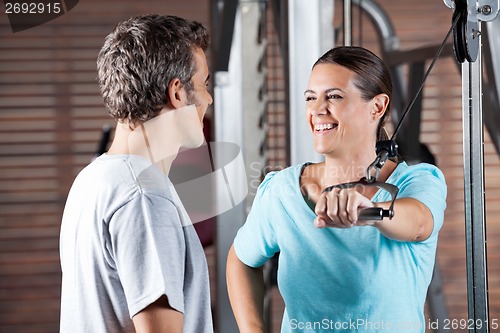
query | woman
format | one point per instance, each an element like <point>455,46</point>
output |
<point>337,273</point>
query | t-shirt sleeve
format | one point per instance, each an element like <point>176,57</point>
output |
<point>256,241</point>
<point>148,248</point>
<point>426,183</point>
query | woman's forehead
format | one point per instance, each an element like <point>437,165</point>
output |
<point>331,75</point>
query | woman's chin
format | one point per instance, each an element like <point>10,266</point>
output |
<point>322,150</point>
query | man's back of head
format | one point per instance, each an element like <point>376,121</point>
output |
<point>141,57</point>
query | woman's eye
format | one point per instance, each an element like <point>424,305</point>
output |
<point>309,98</point>
<point>334,96</point>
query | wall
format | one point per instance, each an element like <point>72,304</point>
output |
<point>51,115</point>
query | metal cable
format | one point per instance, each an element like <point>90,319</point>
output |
<point>408,108</point>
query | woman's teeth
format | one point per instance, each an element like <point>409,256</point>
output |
<point>322,127</point>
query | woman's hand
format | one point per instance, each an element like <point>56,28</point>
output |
<point>339,208</point>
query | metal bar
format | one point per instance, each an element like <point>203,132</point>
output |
<point>382,22</point>
<point>305,29</point>
<point>475,221</point>
<point>347,22</point>
<point>216,14</point>
<point>491,83</point>
<point>237,120</point>
<point>228,125</point>
<point>222,49</point>
<point>437,305</point>
<point>401,57</point>
<point>286,69</point>
<point>410,141</point>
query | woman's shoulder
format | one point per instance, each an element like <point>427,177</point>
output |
<point>288,176</point>
<point>423,170</point>
<point>292,171</point>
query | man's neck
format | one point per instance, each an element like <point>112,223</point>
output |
<point>153,141</point>
<point>119,146</point>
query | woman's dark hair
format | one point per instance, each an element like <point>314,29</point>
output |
<point>141,57</point>
<point>372,75</point>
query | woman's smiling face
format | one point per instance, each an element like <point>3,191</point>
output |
<point>338,116</point>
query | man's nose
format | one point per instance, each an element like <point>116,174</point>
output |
<point>210,99</point>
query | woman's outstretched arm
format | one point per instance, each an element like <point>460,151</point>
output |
<point>245,286</point>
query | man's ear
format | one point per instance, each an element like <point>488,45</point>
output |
<point>379,106</point>
<point>177,93</point>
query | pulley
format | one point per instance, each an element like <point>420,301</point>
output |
<point>466,31</point>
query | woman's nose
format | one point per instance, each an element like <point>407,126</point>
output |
<point>318,107</point>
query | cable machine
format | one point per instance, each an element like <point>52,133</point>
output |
<point>466,28</point>
<point>467,46</point>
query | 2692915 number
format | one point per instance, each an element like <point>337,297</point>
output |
<point>32,8</point>
<point>468,324</point>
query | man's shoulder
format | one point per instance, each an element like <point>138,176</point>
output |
<point>123,176</point>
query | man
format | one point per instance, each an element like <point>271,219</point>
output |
<point>130,257</point>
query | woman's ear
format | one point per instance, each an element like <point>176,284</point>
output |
<point>379,106</point>
<point>177,93</point>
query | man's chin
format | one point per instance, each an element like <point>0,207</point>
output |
<point>198,142</point>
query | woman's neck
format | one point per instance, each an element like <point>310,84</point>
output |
<point>344,169</point>
<point>336,171</point>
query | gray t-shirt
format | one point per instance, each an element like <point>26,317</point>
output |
<point>126,240</point>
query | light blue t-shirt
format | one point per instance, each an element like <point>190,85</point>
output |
<point>343,280</point>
